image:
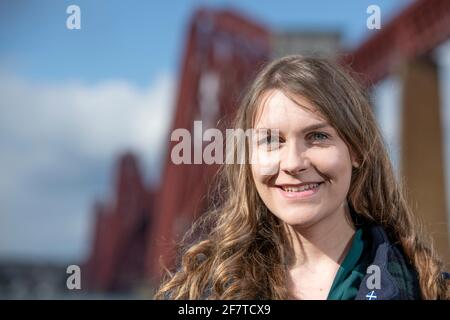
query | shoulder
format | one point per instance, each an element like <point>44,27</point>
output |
<point>392,276</point>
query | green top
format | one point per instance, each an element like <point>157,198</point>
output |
<point>351,272</point>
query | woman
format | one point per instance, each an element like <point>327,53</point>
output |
<point>323,218</point>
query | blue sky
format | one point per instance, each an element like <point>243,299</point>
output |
<point>135,40</point>
<point>72,100</point>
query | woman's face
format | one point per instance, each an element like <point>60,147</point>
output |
<point>310,165</point>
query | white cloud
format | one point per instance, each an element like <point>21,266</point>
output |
<point>58,143</point>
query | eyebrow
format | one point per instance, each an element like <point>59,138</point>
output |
<point>315,126</point>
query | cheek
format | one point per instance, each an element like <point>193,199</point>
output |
<point>257,179</point>
<point>335,164</point>
<point>261,182</point>
<point>263,171</point>
<point>264,163</point>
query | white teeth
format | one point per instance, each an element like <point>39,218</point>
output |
<point>301,188</point>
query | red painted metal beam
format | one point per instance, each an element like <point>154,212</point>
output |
<point>232,47</point>
<point>416,31</point>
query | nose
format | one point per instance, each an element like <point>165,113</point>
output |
<point>294,159</point>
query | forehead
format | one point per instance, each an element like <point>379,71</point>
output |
<point>276,109</point>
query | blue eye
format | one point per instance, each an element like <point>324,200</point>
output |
<point>271,142</point>
<point>319,136</point>
<point>270,139</point>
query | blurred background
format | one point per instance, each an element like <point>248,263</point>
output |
<point>86,116</point>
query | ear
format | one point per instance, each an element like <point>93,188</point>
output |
<point>355,162</point>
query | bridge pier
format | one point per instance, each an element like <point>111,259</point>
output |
<point>422,155</point>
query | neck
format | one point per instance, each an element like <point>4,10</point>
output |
<point>326,241</point>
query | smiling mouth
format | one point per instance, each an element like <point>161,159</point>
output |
<point>301,191</point>
<point>300,188</point>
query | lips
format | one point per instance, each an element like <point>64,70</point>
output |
<point>301,190</point>
<point>299,186</point>
<point>302,187</point>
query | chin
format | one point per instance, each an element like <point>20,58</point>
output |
<point>298,219</point>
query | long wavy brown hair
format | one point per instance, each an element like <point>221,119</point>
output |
<point>238,249</point>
